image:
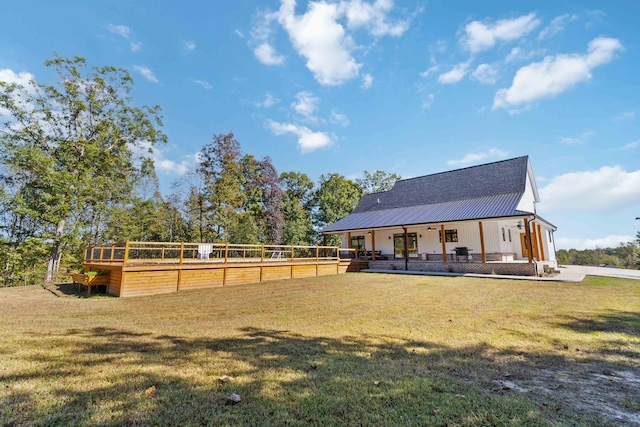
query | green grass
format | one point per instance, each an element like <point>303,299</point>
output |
<point>445,351</point>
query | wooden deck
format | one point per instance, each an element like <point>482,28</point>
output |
<point>148,268</point>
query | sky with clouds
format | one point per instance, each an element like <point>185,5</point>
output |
<point>411,87</point>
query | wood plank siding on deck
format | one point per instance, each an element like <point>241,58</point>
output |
<point>148,268</point>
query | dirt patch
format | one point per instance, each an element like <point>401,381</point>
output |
<point>584,388</point>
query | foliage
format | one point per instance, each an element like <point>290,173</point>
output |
<point>624,256</point>
<point>298,194</point>
<point>377,181</point>
<point>68,153</point>
<point>335,198</point>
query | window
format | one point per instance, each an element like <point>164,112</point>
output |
<point>509,231</point>
<point>412,245</point>
<point>449,235</point>
<point>357,242</point>
<point>503,238</point>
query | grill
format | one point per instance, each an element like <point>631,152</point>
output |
<point>462,251</point>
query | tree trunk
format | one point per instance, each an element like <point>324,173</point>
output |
<point>53,259</point>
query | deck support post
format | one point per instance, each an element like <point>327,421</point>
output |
<point>226,264</point>
<point>484,253</point>
<point>261,261</point>
<point>101,252</point>
<point>113,248</point>
<point>180,269</point>
<point>527,237</point>
<point>444,246</point>
<point>126,254</point>
<point>373,245</point>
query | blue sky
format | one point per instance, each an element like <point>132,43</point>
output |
<point>407,87</point>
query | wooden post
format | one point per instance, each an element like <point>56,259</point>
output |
<point>324,240</point>
<point>226,265</point>
<point>535,242</point>
<point>406,249</point>
<point>317,253</point>
<point>91,253</point>
<point>126,254</point>
<point>541,241</point>
<point>484,254</point>
<point>180,269</point>
<point>373,245</point>
<point>444,246</point>
<point>101,252</point>
<point>527,237</point>
<point>113,249</point>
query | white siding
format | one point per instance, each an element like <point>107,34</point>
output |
<point>527,202</point>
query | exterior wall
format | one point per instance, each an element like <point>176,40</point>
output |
<point>502,268</point>
<point>527,202</point>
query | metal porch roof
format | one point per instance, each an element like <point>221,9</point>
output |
<point>500,205</point>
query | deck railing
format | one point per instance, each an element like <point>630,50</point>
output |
<point>130,253</point>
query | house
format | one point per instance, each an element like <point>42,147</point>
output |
<point>479,219</point>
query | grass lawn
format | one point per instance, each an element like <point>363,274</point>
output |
<point>353,349</point>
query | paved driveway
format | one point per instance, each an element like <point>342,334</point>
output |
<point>580,270</point>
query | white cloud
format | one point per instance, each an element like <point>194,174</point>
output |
<point>239,33</point>
<point>307,139</point>
<point>429,71</point>
<point>479,36</point>
<point>188,45</point>
<point>485,73</point>
<point>135,46</point>
<point>456,74</point>
<point>203,83</point>
<point>267,55</point>
<point>518,54</point>
<point>306,105</point>
<point>476,157</point>
<point>575,140</point>
<point>557,25</point>
<point>555,74</point>
<point>269,101</point>
<point>146,73</point>
<point>121,30</point>
<point>373,16</point>
<point>367,81</point>
<point>607,189</point>
<point>340,119</point>
<point>612,241</point>
<point>319,38</point>
<point>162,163</point>
<point>627,115</point>
<point>23,79</point>
<point>427,103</point>
<point>631,145</point>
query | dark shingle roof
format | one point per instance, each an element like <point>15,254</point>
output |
<point>507,176</point>
<point>485,191</point>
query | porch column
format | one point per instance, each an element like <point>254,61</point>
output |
<point>541,242</point>
<point>484,254</point>
<point>535,242</point>
<point>528,240</point>
<point>406,249</point>
<point>324,240</point>
<point>373,245</point>
<point>444,246</point>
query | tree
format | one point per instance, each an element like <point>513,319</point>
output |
<point>298,193</point>
<point>68,150</point>
<point>220,168</point>
<point>377,181</point>
<point>335,198</point>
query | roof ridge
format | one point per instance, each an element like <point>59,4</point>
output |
<point>461,169</point>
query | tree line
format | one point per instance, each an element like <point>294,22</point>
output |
<point>76,169</point>
<point>623,256</point>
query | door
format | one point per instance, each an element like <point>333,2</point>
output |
<point>524,245</point>
<point>412,245</point>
